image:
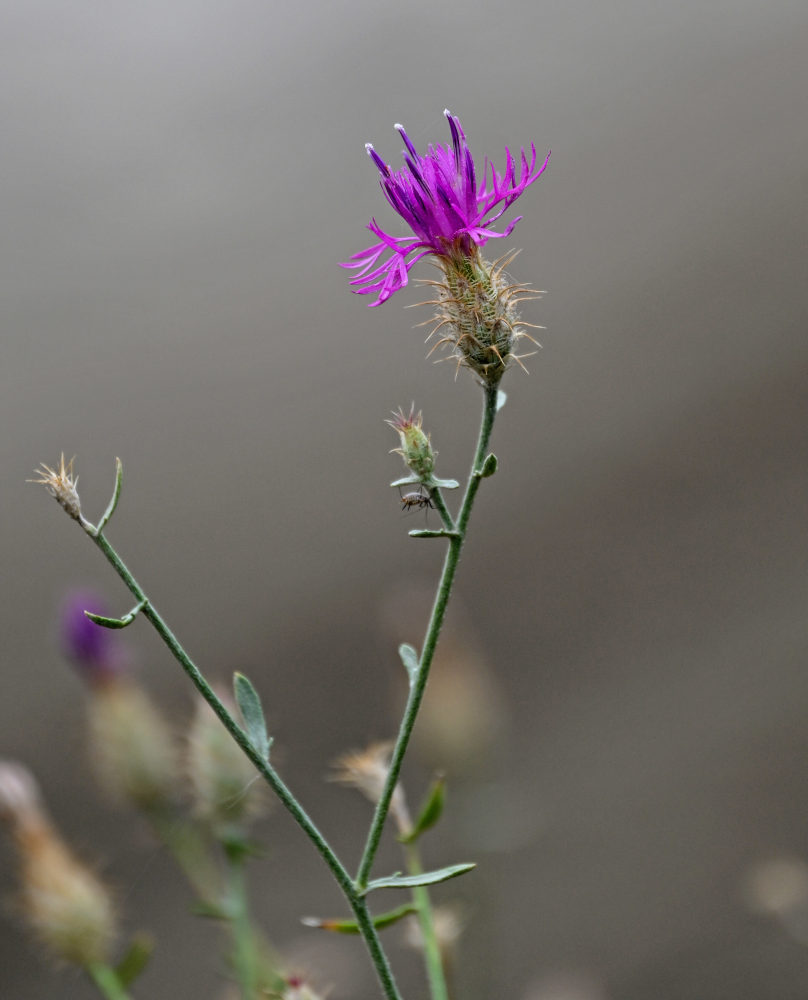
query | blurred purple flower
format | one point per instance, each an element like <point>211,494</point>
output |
<point>94,651</point>
<point>448,210</point>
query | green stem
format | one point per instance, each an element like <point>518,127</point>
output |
<point>432,956</point>
<point>431,640</point>
<point>188,848</point>
<point>106,979</point>
<point>244,957</point>
<point>268,773</point>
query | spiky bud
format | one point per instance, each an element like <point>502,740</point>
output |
<point>65,904</point>
<point>416,447</point>
<point>477,316</point>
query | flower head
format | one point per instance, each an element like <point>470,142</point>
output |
<point>448,209</point>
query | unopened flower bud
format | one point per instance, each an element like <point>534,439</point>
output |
<point>95,652</point>
<point>66,905</point>
<point>416,447</point>
<point>226,794</point>
<point>131,745</point>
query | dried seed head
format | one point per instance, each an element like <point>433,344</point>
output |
<point>61,484</point>
<point>64,903</point>
<point>367,770</point>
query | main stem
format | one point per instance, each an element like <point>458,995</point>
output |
<point>431,640</point>
<point>350,890</point>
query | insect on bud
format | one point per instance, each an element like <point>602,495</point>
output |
<point>416,448</point>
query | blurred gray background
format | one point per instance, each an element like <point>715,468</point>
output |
<point>179,180</point>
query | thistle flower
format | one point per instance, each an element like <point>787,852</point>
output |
<point>416,448</point>
<point>65,904</point>
<point>449,211</point>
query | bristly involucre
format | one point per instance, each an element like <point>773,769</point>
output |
<point>449,210</point>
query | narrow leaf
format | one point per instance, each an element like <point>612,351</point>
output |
<point>351,926</point>
<point>431,811</point>
<point>135,960</point>
<point>426,533</point>
<point>398,881</point>
<point>409,657</point>
<point>250,705</point>
<point>502,398</point>
<point>406,481</point>
<point>113,503</point>
<point>489,466</point>
<point>127,619</point>
<point>444,484</point>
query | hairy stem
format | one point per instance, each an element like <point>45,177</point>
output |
<point>431,640</point>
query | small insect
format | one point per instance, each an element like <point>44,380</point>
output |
<point>419,500</point>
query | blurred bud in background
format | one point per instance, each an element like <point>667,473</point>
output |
<point>778,888</point>
<point>367,770</point>
<point>131,746</point>
<point>97,653</point>
<point>463,714</point>
<point>64,903</point>
<point>226,794</point>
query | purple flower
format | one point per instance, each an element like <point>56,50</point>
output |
<point>441,200</point>
<point>94,651</point>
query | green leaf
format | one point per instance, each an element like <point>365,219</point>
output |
<point>431,811</point>
<point>135,960</point>
<point>399,881</point>
<point>502,399</point>
<point>116,496</point>
<point>489,466</point>
<point>444,484</point>
<point>250,705</point>
<point>409,657</point>
<point>426,533</point>
<point>127,619</point>
<point>406,481</point>
<point>352,927</point>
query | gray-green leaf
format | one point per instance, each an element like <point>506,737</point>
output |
<point>409,657</point>
<point>399,881</point>
<point>253,714</point>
